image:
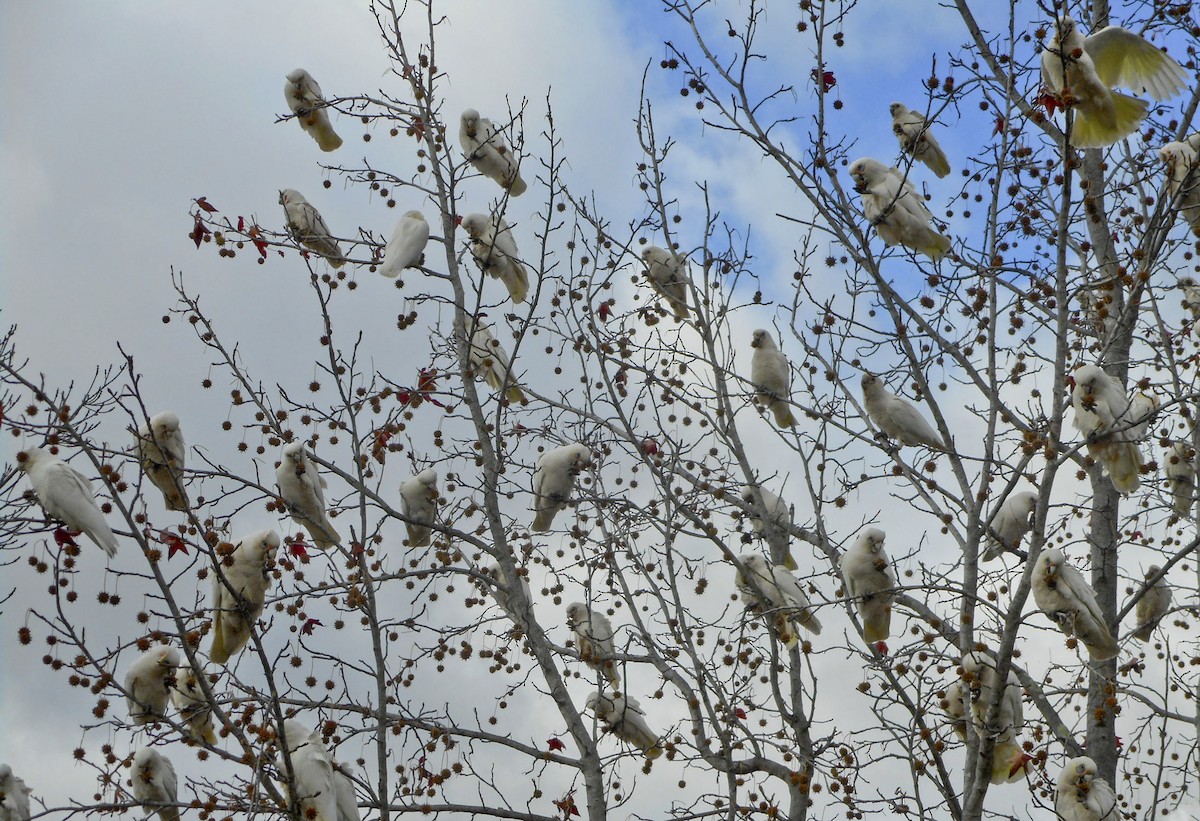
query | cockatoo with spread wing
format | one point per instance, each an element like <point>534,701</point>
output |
<point>304,98</point>
<point>916,139</point>
<point>238,599</point>
<point>896,416</point>
<point>1062,593</point>
<point>668,276</point>
<point>14,796</point>
<point>1081,796</point>
<point>154,783</point>
<point>771,518</point>
<point>624,718</point>
<point>66,495</point>
<point>419,495</point>
<point>896,210</point>
<point>870,583</point>
<point>1180,470</point>
<point>490,154</point>
<point>495,250</point>
<point>771,375</point>
<point>406,246</point>
<point>490,362</point>
<point>1008,759</point>
<point>307,227</point>
<point>1083,71</point>
<point>1154,604</point>
<point>554,481</point>
<point>303,490</point>
<point>161,453</point>
<point>1104,416</point>
<point>1182,158</point>
<point>148,684</point>
<point>772,590</point>
<point>313,772</point>
<point>955,707</point>
<point>594,640</point>
<point>505,595</point>
<point>1011,521</point>
<point>193,707</point>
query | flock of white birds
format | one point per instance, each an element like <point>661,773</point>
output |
<point>1080,71</point>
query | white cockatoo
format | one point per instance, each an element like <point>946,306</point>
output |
<point>624,718</point>
<point>406,246</point>
<point>894,207</point>
<point>490,154</point>
<point>193,707</point>
<point>771,518</point>
<point>1153,605</point>
<point>668,276</point>
<point>770,589</point>
<point>238,599</point>
<point>347,799</point>
<point>307,227</point>
<point>1180,470</point>
<point>554,481</point>
<point>1085,69</point>
<point>418,496</point>
<point>1081,796</point>
<point>148,684</point>
<point>1143,407</point>
<point>870,582</point>
<point>489,361</point>
<point>313,772</point>
<point>504,593</point>
<point>1062,593</point>
<point>1008,759</point>
<point>1191,294</point>
<point>161,453</point>
<point>154,783</point>
<point>1011,521</point>
<point>594,640</point>
<point>495,250</point>
<point>896,416</point>
<point>955,707</point>
<point>1182,189</point>
<point>771,375</point>
<point>304,98</point>
<point>302,489</point>
<point>14,796</point>
<point>1103,415</point>
<point>916,139</point>
<point>66,495</point>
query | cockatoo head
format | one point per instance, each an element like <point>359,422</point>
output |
<point>470,121</point>
<point>581,458</point>
<point>762,339</point>
<point>28,457</point>
<point>576,614</point>
<point>600,704</point>
<point>164,423</point>
<point>1078,772</point>
<point>1151,572</point>
<point>475,225</point>
<point>428,478</point>
<point>1052,561</point>
<point>295,735</point>
<point>414,215</point>
<point>5,774</point>
<point>869,381</point>
<point>749,495</point>
<point>873,539</point>
<point>897,108</point>
<point>288,195</point>
<point>294,453</point>
<point>865,172</point>
<point>145,763</point>
<point>1064,28</point>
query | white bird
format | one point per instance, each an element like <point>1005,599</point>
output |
<point>1180,470</point>
<point>505,595</point>
<point>896,210</point>
<point>418,497</point>
<point>14,796</point>
<point>490,154</point>
<point>1154,604</point>
<point>554,481</point>
<point>490,362</point>
<point>302,489</point>
<point>161,453</point>
<point>304,98</point>
<point>1062,593</point>
<point>916,139</point>
<point>668,276</point>
<point>1083,70</point>
<point>1081,796</point>
<point>347,800</point>
<point>312,772</point>
<point>148,684</point>
<point>896,416</point>
<point>773,591</point>
<point>1008,759</point>
<point>870,583</point>
<point>1183,182</point>
<point>66,495</point>
<point>307,227</point>
<point>771,518</point>
<point>624,718</point>
<point>1191,290</point>
<point>1103,415</point>
<point>238,600</point>
<point>407,244</point>
<point>1009,524</point>
<point>955,707</point>
<point>493,247</point>
<point>594,640</point>
<point>1143,407</point>
<point>154,783</point>
<point>193,707</point>
<point>771,375</point>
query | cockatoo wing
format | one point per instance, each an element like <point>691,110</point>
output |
<point>66,494</point>
<point>407,244</point>
<point>1126,59</point>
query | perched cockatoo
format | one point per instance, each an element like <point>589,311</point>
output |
<point>66,495</point>
<point>490,362</point>
<point>161,453</point>
<point>896,416</point>
<point>772,377</point>
<point>772,590</point>
<point>896,210</point>
<point>916,139</point>
<point>771,518</point>
<point>505,596</point>
<point>347,800</point>
<point>554,481</point>
<point>154,783</point>
<point>624,718</point>
<point>1191,292</point>
<point>668,276</point>
<point>307,227</point>
<point>407,244</point>
<point>1011,521</point>
<point>870,582</point>
<point>1008,759</point>
<point>594,640</point>
<point>1180,470</point>
<point>495,250</point>
<point>313,772</point>
<point>1062,593</point>
<point>14,796</point>
<point>304,98</point>
<point>148,684</point>
<point>487,150</point>
<point>1081,796</point>
<point>1083,70</point>
<point>302,488</point>
<point>955,707</point>
<point>193,707</point>
<point>1103,415</point>
<point>1183,182</point>
<point>1143,407</point>
<point>238,600</point>
<point>418,496</point>
<point>1154,603</point>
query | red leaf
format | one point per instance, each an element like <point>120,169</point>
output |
<point>261,245</point>
<point>881,648</point>
<point>567,805</point>
<point>826,79</point>
<point>999,126</point>
<point>1048,101</point>
<point>555,744</point>
<point>241,224</point>
<point>403,397</point>
<point>381,438</point>
<point>605,312</point>
<point>199,231</point>
<point>173,542</point>
<point>740,713</point>
<point>298,549</point>
<point>309,626</point>
<point>418,126</point>
<point>649,447</point>
<point>457,220</point>
<point>204,204</point>
<point>65,537</point>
